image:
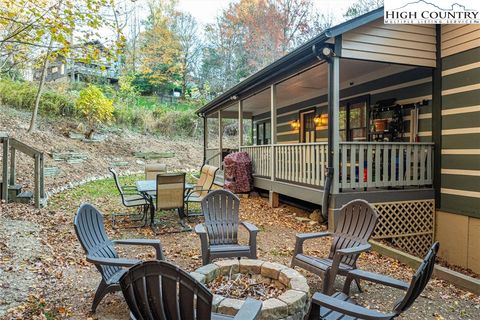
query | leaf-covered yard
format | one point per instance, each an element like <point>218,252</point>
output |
<point>44,274</point>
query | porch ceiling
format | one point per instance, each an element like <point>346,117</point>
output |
<point>313,83</point>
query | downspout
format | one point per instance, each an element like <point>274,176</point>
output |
<point>329,172</point>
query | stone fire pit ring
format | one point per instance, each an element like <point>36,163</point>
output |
<point>290,305</point>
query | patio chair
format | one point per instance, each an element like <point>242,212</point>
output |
<point>341,306</point>
<point>101,252</point>
<point>158,290</point>
<point>170,194</point>
<point>130,199</point>
<point>218,236</point>
<point>153,169</point>
<point>356,222</point>
<point>202,187</point>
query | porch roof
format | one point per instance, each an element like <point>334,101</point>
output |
<point>291,63</point>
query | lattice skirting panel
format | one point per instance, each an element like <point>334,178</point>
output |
<point>408,224</point>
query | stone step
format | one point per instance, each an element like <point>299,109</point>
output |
<point>24,197</point>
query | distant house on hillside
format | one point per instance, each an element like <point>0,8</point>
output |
<point>75,68</point>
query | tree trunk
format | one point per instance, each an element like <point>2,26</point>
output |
<point>33,120</point>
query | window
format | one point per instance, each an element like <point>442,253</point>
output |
<point>264,132</point>
<point>353,119</point>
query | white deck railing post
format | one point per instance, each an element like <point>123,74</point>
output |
<point>273,128</point>
<point>240,124</point>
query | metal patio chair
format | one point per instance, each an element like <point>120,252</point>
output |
<point>356,222</point>
<point>158,290</point>
<point>153,169</point>
<point>202,187</point>
<point>170,195</point>
<point>101,252</point>
<point>218,236</point>
<point>131,198</point>
<point>341,306</point>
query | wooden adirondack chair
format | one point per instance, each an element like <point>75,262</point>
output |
<point>219,234</point>
<point>130,199</point>
<point>340,306</point>
<point>356,222</point>
<point>202,187</point>
<point>158,290</point>
<point>101,252</point>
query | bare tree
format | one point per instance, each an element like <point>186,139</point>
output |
<point>38,96</point>
<point>362,6</point>
<point>185,29</point>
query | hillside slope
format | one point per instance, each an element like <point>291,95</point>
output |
<point>118,146</point>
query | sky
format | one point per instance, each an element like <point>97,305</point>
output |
<point>205,11</point>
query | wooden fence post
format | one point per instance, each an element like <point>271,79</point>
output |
<point>12,166</point>
<point>5,142</point>
<point>37,180</point>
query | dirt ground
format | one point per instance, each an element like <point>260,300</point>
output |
<point>44,272</point>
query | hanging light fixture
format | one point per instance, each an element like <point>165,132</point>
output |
<point>321,120</point>
<point>324,120</point>
<point>295,124</point>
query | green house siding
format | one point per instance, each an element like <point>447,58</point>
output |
<point>460,184</point>
<point>285,115</point>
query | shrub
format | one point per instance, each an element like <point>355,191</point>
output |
<point>21,95</point>
<point>95,107</point>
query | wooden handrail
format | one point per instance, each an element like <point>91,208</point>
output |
<point>9,178</point>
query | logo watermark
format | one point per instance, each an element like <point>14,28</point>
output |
<point>432,11</point>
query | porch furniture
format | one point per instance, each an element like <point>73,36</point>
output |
<point>170,194</point>
<point>131,198</point>
<point>203,186</point>
<point>101,252</point>
<point>355,224</point>
<point>148,189</point>
<point>158,290</point>
<point>340,306</point>
<point>218,235</point>
<point>153,169</point>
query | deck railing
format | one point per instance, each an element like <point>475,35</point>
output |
<point>213,157</point>
<point>302,163</point>
<point>384,164</point>
<point>362,165</point>
<point>260,156</point>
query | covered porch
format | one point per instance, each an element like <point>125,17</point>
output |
<point>352,114</point>
<point>289,128</point>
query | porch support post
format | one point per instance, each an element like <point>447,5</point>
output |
<point>240,124</point>
<point>273,196</point>
<point>220,139</point>
<point>205,138</point>
<point>334,121</point>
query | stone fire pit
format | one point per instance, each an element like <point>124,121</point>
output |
<point>290,304</point>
